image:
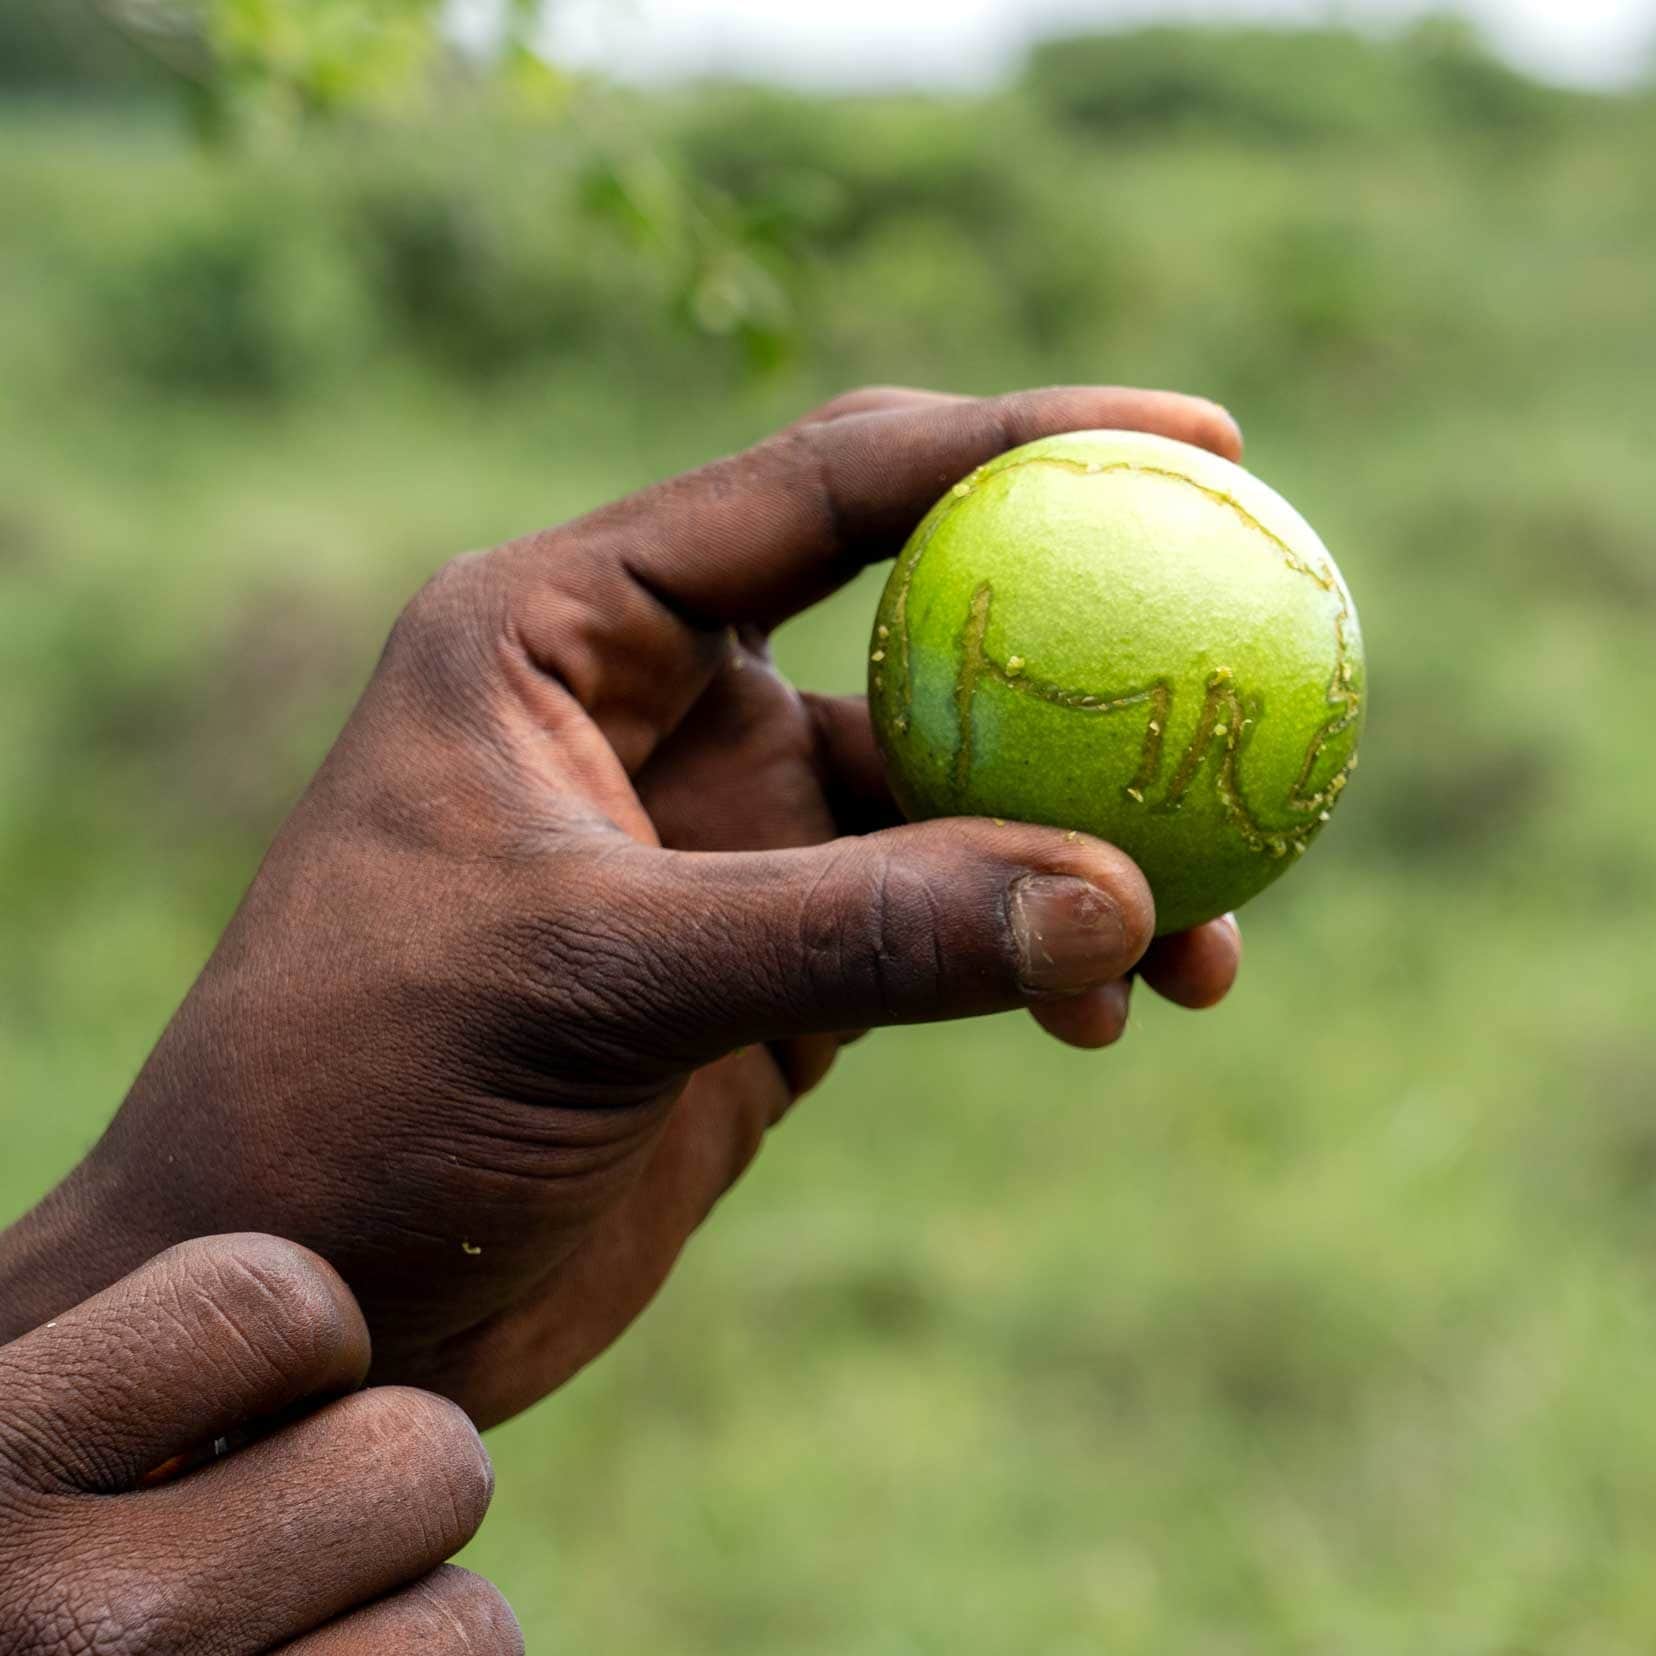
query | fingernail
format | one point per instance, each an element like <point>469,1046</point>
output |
<point>1069,934</point>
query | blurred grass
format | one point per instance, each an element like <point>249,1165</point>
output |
<point>1326,1321</point>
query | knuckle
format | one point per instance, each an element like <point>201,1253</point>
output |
<point>447,599</point>
<point>113,1611</point>
<point>431,1442</point>
<point>898,915</point>
<point>444,631</point>
<point>468,1613</point>
<point>867,937</point>
<point>808,456</point>
<point>1010,418</point>
<point>248,1262</point>
<point>848,402</point>
<point>271,1297</point>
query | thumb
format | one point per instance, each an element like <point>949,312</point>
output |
<point>938,920</point>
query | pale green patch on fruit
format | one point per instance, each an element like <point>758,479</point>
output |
<point>1122,634</point>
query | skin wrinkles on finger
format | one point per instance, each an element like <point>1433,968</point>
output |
<point>328,1511</point>
<point>355,1501</point>
<point>269,1323</point>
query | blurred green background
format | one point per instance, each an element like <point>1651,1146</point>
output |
<point>1325,1322</point>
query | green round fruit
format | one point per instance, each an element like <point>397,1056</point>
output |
<point>1122,634</point>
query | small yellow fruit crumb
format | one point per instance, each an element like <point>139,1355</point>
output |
<point>961,490</point>
<point>1133,793</point>
<point>1014,665</point>
<point>884,632</point>
<point>878,655</point>
<point>1000,822</point>
<point>470,1248</point>
<point>1221,730</point>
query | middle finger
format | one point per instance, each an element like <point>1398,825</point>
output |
<point>363,1497</point>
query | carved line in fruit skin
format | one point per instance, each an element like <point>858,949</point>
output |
<point>1222,698</point>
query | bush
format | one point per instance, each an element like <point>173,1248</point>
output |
<point>1466,88</point>
<point>1256,82</point>
<point>1288,86</point>
<point>247,303</point>
<point>455,287</point>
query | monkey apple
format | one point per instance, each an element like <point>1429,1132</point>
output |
<point>1123,634</point>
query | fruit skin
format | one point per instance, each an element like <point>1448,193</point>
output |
<point>1123,634</point>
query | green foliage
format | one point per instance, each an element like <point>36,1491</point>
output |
<point>63,46</point>
<point>725,267</point>
<point>454,284</point>
<point>247,65</point>
<point>1467,88</point>
<point>264,70</point>
<point>1319,1323</point>
<point>1288,86</point>
<point>243,305</point>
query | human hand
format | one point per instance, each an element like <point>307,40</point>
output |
<point>325,1537</point>
<point>585,895</point>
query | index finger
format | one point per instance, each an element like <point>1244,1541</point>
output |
<point>211,1335</point>
<point>628,607</point>
<point>754,539</point>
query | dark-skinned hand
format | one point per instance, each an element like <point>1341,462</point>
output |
<point>584,897</point>
<point>325,1536</point>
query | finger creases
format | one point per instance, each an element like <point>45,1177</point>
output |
<point>358,1500</point>
<point>207,1337</point>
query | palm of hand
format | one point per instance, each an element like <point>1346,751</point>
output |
<point>754,765</point>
